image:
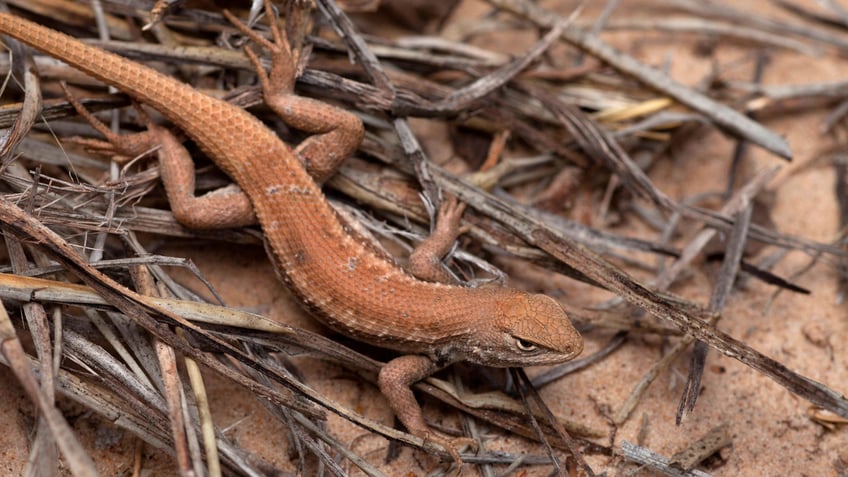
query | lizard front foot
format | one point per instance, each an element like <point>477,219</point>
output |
<point>452,445</point>
<point>425,262</point>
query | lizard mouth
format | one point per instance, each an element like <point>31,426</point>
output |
<point>498,358</point>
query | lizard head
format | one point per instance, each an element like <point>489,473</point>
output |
<point>530,330</point>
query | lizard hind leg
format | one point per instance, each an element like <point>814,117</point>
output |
<point>335,133</point>
<point>223,208</point>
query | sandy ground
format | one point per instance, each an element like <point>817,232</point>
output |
<point>772,433</point>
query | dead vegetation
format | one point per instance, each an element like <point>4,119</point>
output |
<point>551,149</point>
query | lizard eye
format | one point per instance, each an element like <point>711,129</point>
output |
<point>525,345</point>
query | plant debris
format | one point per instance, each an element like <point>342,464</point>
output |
<point>553,150</point>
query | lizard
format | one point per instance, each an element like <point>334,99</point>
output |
<point>344,282</point>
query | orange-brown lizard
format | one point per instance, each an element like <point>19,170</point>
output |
<point>344,282</point>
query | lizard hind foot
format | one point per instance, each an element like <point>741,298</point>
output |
<point>284,58</point>
<point>121,147</point>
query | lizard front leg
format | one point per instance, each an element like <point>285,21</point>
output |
<point>395,380</point>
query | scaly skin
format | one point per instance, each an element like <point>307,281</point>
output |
<point>351,288</point>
